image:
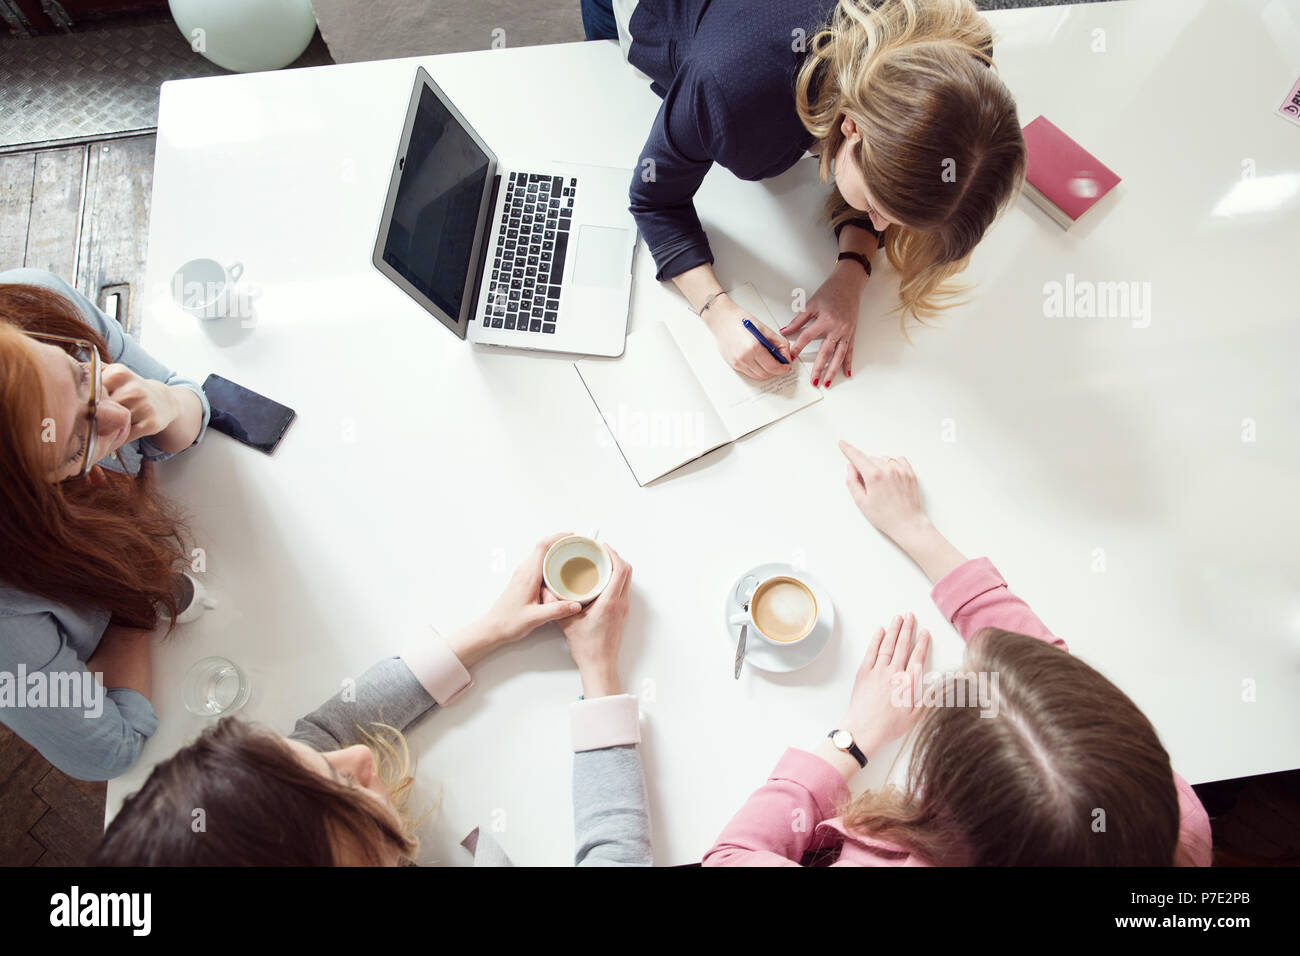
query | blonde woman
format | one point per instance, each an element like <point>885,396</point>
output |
<point>336,790</point>
<point>896,98</point>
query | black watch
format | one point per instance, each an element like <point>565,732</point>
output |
<point>843,740</point>
<point>856,257</point>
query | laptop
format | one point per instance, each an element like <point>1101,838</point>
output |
<point>533,255</point>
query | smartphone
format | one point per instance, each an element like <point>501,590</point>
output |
<point>245,416</point>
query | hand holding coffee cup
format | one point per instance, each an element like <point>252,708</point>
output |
<point>576,568</point>
<point>516,613</point>
<point>520,608</point>
<point>593,636</point>
<point>783,610</point>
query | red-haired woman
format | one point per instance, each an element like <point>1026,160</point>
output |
<point>1026,757</point>
<point>88,550</point>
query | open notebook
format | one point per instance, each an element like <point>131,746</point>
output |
<point>671,397</point>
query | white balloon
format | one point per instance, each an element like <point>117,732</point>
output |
<point>246,35</point>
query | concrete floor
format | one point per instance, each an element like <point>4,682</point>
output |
<point>393,28</point>
<point>68,89</point>
<point>104,81</point>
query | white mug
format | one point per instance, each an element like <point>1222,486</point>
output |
<point>795,609</point>
<point>200,602</point>
<point>203,287</point>
<point>556,568</point>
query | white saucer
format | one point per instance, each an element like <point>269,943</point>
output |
<point>767,656</point>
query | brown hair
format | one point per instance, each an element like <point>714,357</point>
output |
<point>104,540</point>
<point>260,807</point>
<point>1025,787</point>
<point>917,78</point>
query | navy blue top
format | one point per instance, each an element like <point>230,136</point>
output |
<point>725,70</point>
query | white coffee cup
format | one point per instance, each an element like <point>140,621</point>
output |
<point>200,601</point>
<point>576,568</point>
<point>203,287</point>
<point>782,610</point>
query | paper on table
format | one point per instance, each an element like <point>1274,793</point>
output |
<point>656,410</point>
<point>744,405</point>
<point>671,397</point>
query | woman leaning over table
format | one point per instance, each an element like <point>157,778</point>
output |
<point>335,791</point>
<point>896,98</point>
<point>89,552</point>
<point>1047,764</point>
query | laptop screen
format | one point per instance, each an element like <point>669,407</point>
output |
<point>431,236</point>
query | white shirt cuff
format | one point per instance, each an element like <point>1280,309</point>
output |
<point>437,668</point>
<point>605,722</point>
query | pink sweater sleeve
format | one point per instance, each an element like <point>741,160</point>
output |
<point>1195,841</point>
<point>775,826</point>
<point>974,596</point>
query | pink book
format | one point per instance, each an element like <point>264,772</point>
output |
<point>1290,108</point>
<point>1064,179</point>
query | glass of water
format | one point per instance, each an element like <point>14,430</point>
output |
<point>214,687</point>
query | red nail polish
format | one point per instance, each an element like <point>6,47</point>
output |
<point>828,383</point>
<point>815,383</point>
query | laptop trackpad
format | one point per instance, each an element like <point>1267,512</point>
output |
<point>601,257</point>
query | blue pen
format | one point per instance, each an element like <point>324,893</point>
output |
<point>753,330</point>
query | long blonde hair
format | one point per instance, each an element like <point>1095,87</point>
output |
<point>396,769</point>
<point>941,143</point>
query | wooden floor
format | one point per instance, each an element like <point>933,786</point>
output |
<point>81,212</point>
<point>1255,820</point>
<point>46,817</point>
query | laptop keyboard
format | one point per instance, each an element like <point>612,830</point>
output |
<point>524,291</point>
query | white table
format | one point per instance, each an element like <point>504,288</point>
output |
<point>421,468</point>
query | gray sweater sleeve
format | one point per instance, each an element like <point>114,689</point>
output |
<point>611,819</point>
<point>611,815</point>
<point>387,693</point>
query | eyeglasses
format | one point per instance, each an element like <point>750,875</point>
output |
<point>84,354</point>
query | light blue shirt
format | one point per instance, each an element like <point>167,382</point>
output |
<point>37,635</point>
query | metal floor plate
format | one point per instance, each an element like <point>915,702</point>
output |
<point>81,86</point>
<point>105,81</point>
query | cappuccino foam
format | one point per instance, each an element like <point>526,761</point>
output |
<point>784,610</point>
